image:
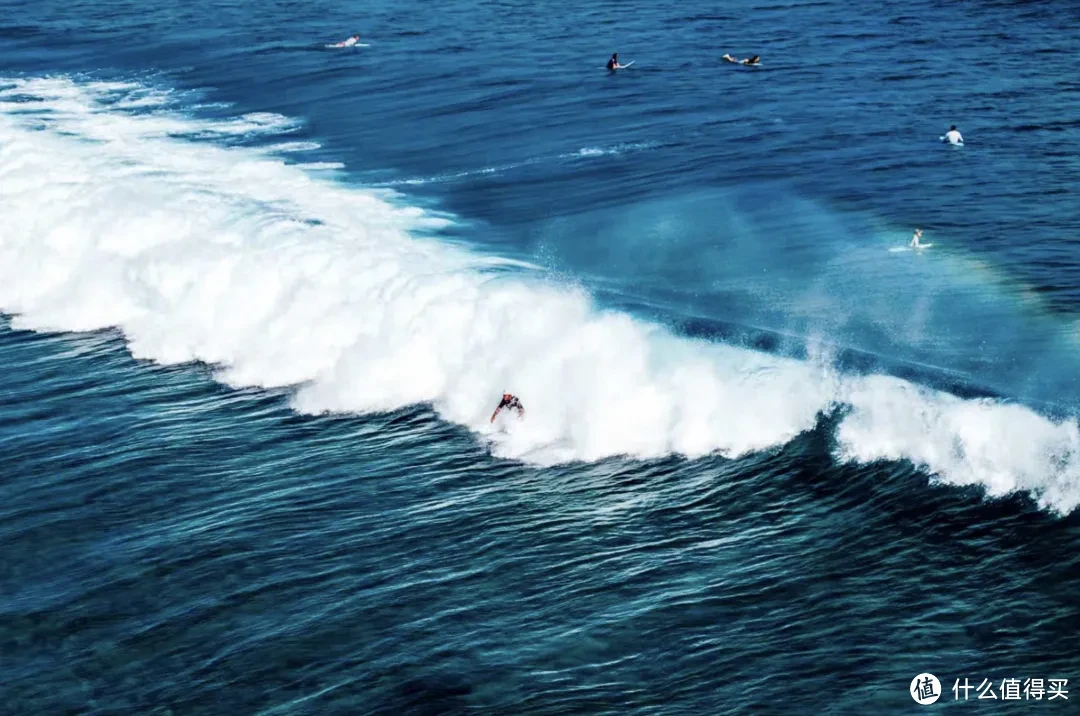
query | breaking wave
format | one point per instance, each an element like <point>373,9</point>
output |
<point>120,210</point>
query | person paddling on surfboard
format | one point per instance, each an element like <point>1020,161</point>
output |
<point>348,43</point>
<point>613,63</point>
<point>749,62</point>
<point>511,403</point>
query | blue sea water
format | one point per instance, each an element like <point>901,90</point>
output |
<point>260,297</point>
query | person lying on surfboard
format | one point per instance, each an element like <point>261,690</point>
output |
<point>915,239</point>
<point>348,43</point>
<point>510,402</point>
<point>749,62</point>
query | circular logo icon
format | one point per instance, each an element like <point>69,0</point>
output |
<point>925,689</point>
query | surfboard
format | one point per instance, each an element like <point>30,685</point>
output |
<point>955,144</point>
<point>620,67</point>
<point>896,249</point>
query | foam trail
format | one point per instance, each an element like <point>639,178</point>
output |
<point>321,166</point>
<point>615,150</point>
<point>199,251</point>
<point>453,176</point>
<point>584,153</point>
<point>286,147</point>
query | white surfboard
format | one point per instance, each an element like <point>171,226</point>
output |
<point>897,249</point>
<point>621,67</point>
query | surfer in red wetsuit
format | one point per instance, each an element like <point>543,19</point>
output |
<point>510,402</point>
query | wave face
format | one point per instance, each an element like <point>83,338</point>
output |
<point>122,209</point>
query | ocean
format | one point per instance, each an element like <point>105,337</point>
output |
<point>260,296</point>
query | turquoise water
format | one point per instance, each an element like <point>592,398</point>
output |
<point>260,297</point>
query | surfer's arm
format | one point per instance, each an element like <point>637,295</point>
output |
<point>493,415</point>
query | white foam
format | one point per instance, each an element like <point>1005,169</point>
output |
<point>257,123</point>
<point>321,166</point>
<point>102,105</point>
<point>230,256</point>
<point>1002,446</point>
<point>286,147</point>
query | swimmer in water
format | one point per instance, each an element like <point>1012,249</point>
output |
<point>915,239</point>
<point>511,403</point>
<point>953,136</point>
<point>613,63</point>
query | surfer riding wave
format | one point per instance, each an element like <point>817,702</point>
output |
<point>510,402</point>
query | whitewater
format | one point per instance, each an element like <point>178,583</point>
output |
<point>124,207</point>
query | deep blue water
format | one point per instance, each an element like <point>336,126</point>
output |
<point>260,296</point>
